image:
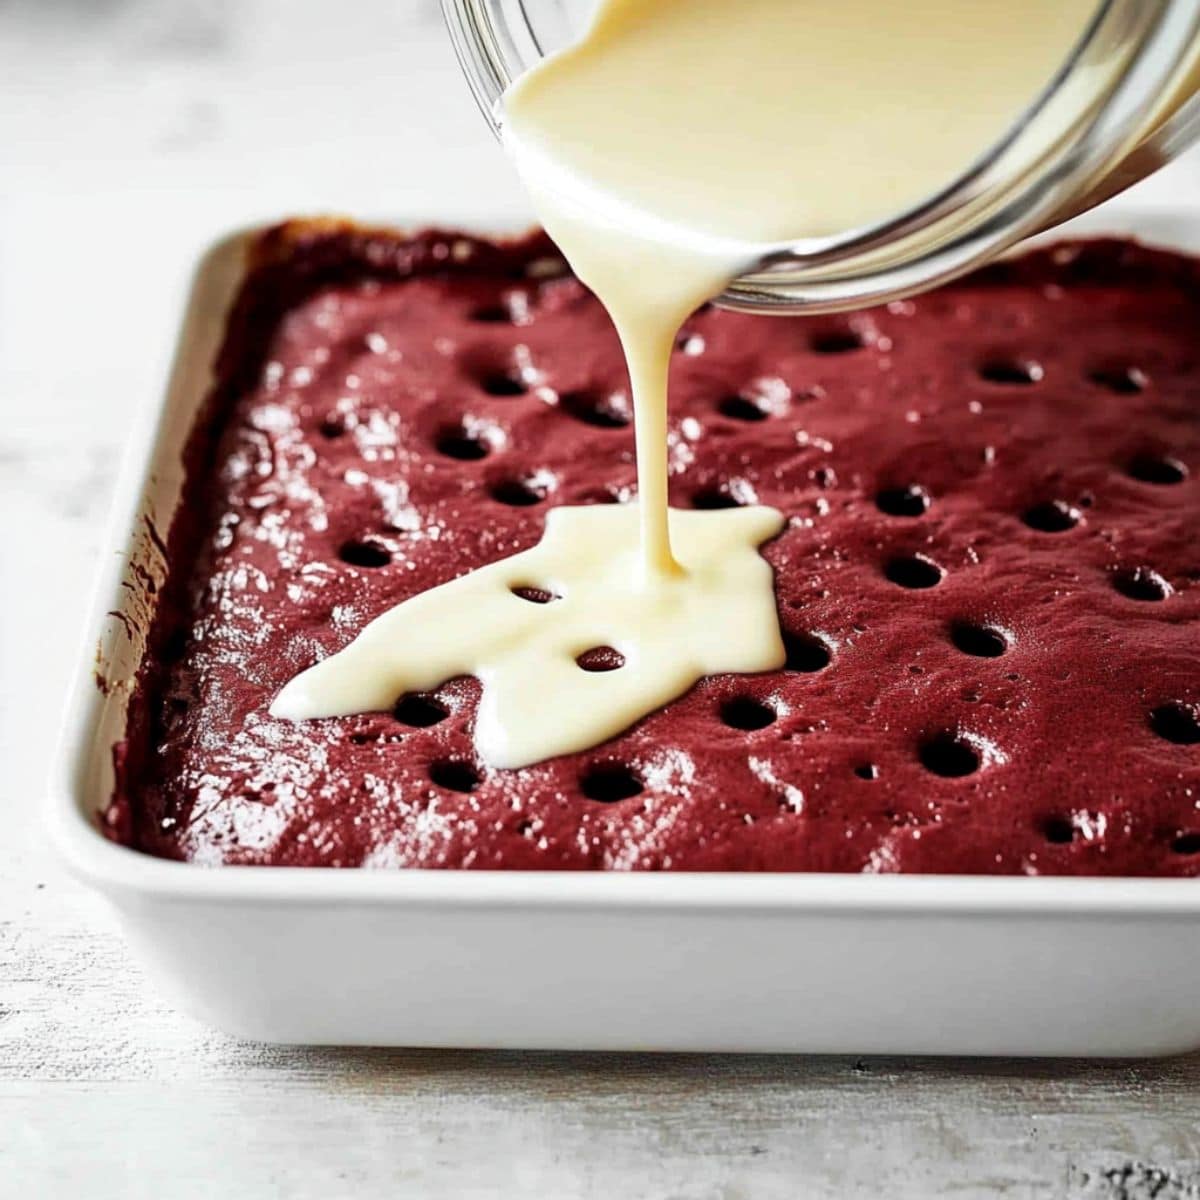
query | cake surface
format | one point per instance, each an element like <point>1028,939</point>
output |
<point>989,582</point>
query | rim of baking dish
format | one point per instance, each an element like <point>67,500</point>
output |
<point>123,872</point>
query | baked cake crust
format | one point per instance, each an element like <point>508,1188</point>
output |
<point>990,578</point>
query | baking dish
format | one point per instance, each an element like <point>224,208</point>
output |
<point>836,963</point>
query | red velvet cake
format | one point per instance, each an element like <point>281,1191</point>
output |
<point>989,582</point>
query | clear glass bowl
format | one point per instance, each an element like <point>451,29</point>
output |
<point>1122,105</point>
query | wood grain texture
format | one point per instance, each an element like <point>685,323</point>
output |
<point>106,1093</point>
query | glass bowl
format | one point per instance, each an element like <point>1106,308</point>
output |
<point>1123,104</point>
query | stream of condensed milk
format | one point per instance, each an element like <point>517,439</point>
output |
<point>665,153</point>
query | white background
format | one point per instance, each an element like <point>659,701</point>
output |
<point>131,133</point>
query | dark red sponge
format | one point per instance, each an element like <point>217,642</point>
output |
<point>989,581</point>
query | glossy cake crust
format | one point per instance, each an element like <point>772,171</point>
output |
<point>989,581</point>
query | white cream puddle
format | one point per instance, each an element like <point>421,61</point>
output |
<point>663,153</point>
<point>717,614</point>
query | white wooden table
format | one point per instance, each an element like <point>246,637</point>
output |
<point>130,132</point>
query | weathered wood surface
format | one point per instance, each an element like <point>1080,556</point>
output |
<point>154,124</point>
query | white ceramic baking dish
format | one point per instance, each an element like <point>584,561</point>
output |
<point>942,965</point>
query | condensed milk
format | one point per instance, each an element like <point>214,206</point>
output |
<point>665,153</point>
